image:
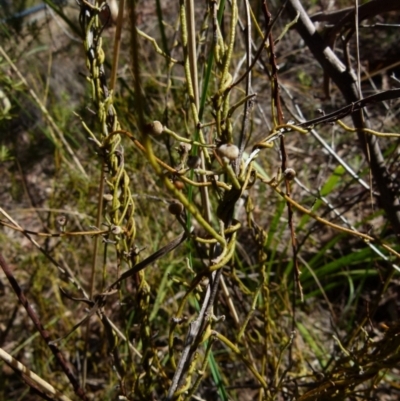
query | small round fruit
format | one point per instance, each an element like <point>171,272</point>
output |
<point>184,148</point>
<point>61,222</point>
<point>116,229</point>
<point>175,208</point>
<point>289,174</point>
<point>154,128</point>
<point>229,150</point>
<point>108,197</point>
<point>194,162</point>
<point>179,185</point>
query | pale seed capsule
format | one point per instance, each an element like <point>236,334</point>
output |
<point>116,230</point>
<point>108,197</point>
<point>184,148</point>
<point>175,208</point>
<point>61,221</point>
<point>133,254</point>
<point>229,150</point>
<point>289,174</point>
<point>154,128</point>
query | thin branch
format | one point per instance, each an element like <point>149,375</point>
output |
<point>347,83</point>
<point>43,332</point>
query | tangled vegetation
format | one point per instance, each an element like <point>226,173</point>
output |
<point>200,200</point>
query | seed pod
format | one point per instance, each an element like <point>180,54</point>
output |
<point>175,208</point>
<point>289,174</point>
<point>229,150</point>
<point>193,162</point>
<point>116,230</point>
<point>184,148</point>
<point>154,128</point>
<point>108,197</point>
<point>61,221</point>
<point>133,255</point>
<point>179,185</point>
